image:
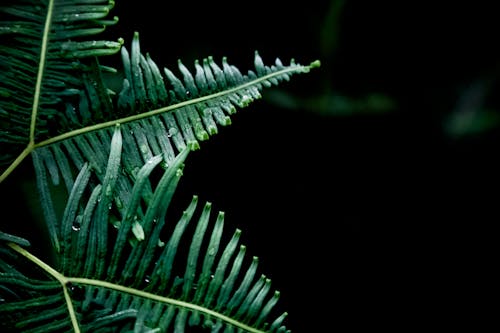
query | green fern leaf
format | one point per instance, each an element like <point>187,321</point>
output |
<point>42,61</point>
<point>159,113</point>
<point>139,285</point>
<point>163,112</point>
<point>118,156</point>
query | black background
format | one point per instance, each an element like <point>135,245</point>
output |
<point>365,221</point>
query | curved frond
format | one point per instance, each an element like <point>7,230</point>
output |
<point>192,104</point>
<point>130,275</point>
<point>163,111</point>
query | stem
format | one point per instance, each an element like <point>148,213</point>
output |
<point>58,276</point>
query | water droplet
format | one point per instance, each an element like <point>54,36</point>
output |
<point>77,292</point>
<point>77,223</point>
<point>76,226</point>
<point>172,132</point>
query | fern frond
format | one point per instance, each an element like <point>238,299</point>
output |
<point>140,284</point>
<point>118,157</point>
<point>162,116</point>
<point>162,112</point>
<point>42,60</point>
<point>195,104</point>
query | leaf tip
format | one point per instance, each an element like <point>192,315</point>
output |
<point>315,64</point>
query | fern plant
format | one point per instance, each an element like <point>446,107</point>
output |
<point>107,164</point>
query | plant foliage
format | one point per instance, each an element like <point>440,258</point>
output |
<point>107,164</point>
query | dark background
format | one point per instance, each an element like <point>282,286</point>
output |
<point>364,219</point>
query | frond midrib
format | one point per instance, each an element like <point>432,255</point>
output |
<point>36,95</point>
<point>41,69</point>
<point>162,299</point>
<point>66,281</point>
<point>254,82</point>
<point>170,108</point>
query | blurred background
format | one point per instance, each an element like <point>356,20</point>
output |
<point>368,187</point>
